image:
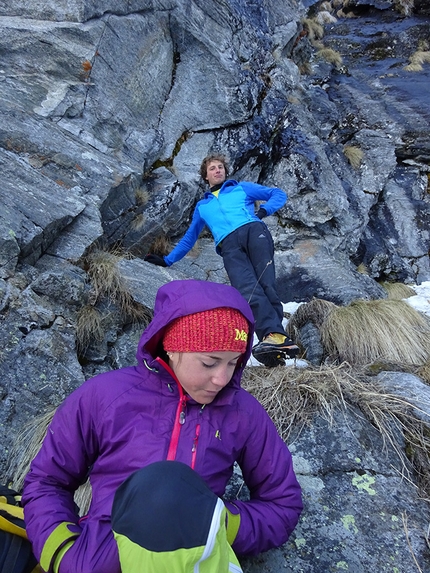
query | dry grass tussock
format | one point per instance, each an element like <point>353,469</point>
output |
<point>161,246</point>
<point>107,284</point>
<point>315,311</point>
<point>341,14</point>
<point>88,327</point>
<point>138,222</point>
<point>330,56</point>
<point>325,17</point>
<point>423,371</point>
<point>103,272</point>
<point>314,29</point>
<point>366,331</point>
<point>26,448</point>
<point>293,396</point>
<point>397,291</point>
<point>354,155</point>
<point>326,6</point>
<point>362,269</point>
<point>417,60</point>
<point>142,196</point>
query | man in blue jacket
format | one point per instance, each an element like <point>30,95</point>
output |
<point>246,246</point>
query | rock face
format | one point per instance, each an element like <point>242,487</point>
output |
<point>106,111</point>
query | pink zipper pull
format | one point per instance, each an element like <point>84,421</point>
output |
<point>183,408</point>
<point>194,448</point>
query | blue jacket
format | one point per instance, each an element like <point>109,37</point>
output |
<point>225,212</point>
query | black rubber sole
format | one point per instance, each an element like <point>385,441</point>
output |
<point>272,357</point>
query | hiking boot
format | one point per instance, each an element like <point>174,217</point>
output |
<point>273,350</point>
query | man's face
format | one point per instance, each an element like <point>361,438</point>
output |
<point>215,173</point>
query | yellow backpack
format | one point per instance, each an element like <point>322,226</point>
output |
<point>16,555</point>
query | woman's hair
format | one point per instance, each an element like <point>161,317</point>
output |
<point>213,157</point>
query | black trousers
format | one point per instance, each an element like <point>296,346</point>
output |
<point>165,519</point>
<point>248,254</point>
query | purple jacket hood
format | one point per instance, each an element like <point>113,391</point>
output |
<point>182,297</point>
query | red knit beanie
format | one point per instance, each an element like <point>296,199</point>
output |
<point>219,329</point>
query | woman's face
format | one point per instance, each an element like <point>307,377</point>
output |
<point>203,374</point>
<point>215,173</point>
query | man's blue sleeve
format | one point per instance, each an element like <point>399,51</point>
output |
<point>275,198</point>
<point>188,240</point>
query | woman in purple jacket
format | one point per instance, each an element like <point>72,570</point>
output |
<point>158,442</point>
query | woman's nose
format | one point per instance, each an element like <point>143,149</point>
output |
<point>221,378</point>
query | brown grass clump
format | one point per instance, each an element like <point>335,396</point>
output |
<point>330,56</point>
<point>316,311</point>
<point>362,269</point>
<point>325,17</point>
<point>88,328</point>
<point>138,222</point>
<point>142,196</point>
<point>354,155</point>
<point>424,372</point>
<point>326,6</point>
<point>107,284</point>
<point>161,246</point>
<point>314,29</point>
<point>25,449</point>
<point>133,311</point>
<point>417,60</point>
<point>397,291</point>
<point>367,331</point>
<point>293,396</point>
<point>103,272</point>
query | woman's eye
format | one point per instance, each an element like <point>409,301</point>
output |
<point>208,365</point>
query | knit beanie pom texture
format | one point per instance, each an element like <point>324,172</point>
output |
<point>218,329</point>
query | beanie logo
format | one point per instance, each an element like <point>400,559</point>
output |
<point>241,335</point>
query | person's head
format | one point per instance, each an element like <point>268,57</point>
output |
<point>214,169</point>
<point>204,348</point>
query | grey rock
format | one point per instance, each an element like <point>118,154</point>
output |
<point>310,270</point>
<point>73,243</point>
<point>411,388</point>
<point>39,369</point>
<point>64,286</point>
<point>33,219</point>
<point>353,496</point>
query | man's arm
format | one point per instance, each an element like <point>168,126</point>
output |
<point>274,197</point>
<point>183,247</point>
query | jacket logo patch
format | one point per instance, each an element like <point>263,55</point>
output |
<point>240,335</point>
